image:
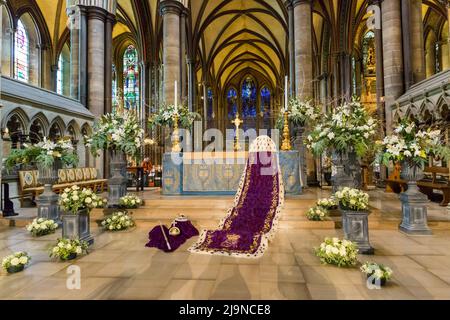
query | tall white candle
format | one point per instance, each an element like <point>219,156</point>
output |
<point>286,94</point>
<point>176,96</point>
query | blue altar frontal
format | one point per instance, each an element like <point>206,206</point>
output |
<point>219,173</point>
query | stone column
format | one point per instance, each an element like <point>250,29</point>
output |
<point>96,68</point>
<point>303,48</point>
<point>448,38</point>
<point>110,20</point>
<point>291,24</point>
<point>171,11</point>
<point>191,83</point>
<point>392,56</point>
<point>183,44</point>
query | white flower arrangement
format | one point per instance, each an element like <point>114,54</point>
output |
<point>44,153</point>
<point>75,199</point>
<point>349,127</point>
<point>377,271</point>
<point>118,221</point>
<point>16,262</point>
<point>117,131</point>
<point>412,145</point>
<point>342,253</point>
<point>301,112</point>
<point>41,227</point>
<point>352,199</point>
<point>130,201</point>
<point>317,214</point>
<point>327,203</point>
<point>166,113</point>
<point>66,249</point>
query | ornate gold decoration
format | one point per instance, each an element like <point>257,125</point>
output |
<point>174,231</point>
<point>176,136</point>
<point>237,122</point>
<point>231,241</point>
<point>286,145</point>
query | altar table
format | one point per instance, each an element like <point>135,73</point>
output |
<point>219,173</point>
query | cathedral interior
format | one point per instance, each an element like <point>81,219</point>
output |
<point>65,63</point>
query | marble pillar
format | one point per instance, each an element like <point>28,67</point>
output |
<point>448,38</point>
<point>392,56</point>
<point>171,11</point>
<point>191,84</point>
<point>417,42</point>
<point>110,20</point>
<point>183,45</point>
<point>303,48</point>
<point>73,14</point>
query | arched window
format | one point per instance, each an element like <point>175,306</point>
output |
<point>248,99</point>
<point>22,53</point>
<point>5,54</point>
<point>63,72</point>
<point>368,49</point>
<point>266,98</point>
<point>114,87</point>
<point>36,131</point>
<point>16,129</point>
<point>131,79</point>
<point>232,103</point>
<point>210,104</point>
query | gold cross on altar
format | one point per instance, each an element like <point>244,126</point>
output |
<point>237,122</point>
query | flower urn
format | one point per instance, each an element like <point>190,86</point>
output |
<point>47,202</point>
<point>77,226</point>
<point>356,229</point>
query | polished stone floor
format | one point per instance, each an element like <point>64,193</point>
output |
<point>120,267</point>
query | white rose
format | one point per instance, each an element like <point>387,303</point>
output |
<point>55,249</point>
<point>23,260</point>
<point>88,200</point>
<point>15,262</point>
<point>79,250</point>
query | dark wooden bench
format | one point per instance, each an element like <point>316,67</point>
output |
<point>436,178</point>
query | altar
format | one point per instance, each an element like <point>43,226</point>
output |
<point>219,173</point>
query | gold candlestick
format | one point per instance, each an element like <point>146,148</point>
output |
<point>176,137</point>
<point>286,145</point>
<point>237,122</point>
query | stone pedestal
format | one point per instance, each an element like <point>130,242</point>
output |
<point>297,133</point>
<point>346,171</point>
<point>356,229</point>
<point>77,226</point>
<point>47,202</point>
<point>117,183</point>
<point>414,211</point>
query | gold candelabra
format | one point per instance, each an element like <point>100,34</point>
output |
<point>176,147</point>
<point>286,144</point>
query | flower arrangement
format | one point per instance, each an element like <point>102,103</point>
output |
<point>342,253</point>
<point>44,153</point>
<point>377,272</point>
<point>166,113</point>
<point>317,214</point>
<point>130,201</point>
<point>327,203</point>
<point>67,249</point>
<point>41,227</point>
<point>74,199</point>
<point>411,145</point>
<point>352,199</point>
<point>15,262</point>
<point>349,127</point>
<point>117,131</point>
<point>300,113</point>
<point>118,221</point>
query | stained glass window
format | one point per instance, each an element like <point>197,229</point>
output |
<point>232,103</point>
<point>437,53</point>
<point>210,105</point>
<point>131,79</point>
<point>265,102</point>
<point>248,99</point>
<point>22,53</point>
<point>59,75</point>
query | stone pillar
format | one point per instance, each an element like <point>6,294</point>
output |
<point>171,11</point>
<point>303,48</point>
<point>392,56</point>
<point>291,24</point>
<point>96,68</point>
<point>110,20</point>
<point>183,44</point>
<point>448,38</point>
<point>191,84</point>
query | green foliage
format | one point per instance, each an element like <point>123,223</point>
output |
<point>164,117</point>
